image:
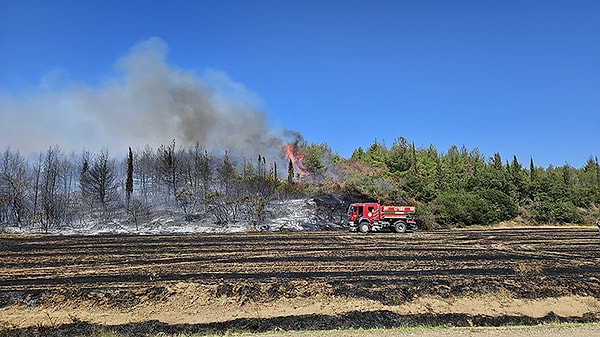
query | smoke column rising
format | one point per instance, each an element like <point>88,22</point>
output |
<point>149,102</point>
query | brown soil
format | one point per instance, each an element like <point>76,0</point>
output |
<point>142,285</point>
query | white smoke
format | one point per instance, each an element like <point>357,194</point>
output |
<point>147,103</point>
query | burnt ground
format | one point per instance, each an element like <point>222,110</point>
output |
<point>129,272</point>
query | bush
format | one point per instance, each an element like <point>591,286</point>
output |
<point>503,207</point>
<point>461,208</point>
<point>458,208</point>
<point>566,212</point>
<point>546,210</point>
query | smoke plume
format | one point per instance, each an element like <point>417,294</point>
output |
<point>147,102</point>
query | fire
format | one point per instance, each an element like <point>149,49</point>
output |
<point>293,153</point>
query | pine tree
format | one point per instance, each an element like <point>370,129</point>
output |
<point>413,160</point>
<point>226,174</point>
<point>597,175</point>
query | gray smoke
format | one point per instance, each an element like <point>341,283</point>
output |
<point>147,103</point>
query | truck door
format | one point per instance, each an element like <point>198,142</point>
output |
<point>355,212</point>
<point>373,212</point>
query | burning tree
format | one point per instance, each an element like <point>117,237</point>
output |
<point>293,153</point>
<point>310,161</point>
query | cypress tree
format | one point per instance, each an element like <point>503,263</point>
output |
<point>290,177</point>
<point>598,175</point>
<point>129,181</point>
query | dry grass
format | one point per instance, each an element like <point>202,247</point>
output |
<point>529,269</point>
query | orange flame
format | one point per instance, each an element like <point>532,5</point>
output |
<point>293,153</point>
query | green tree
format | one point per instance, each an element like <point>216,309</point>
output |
<point>590,179</point>
<point>400,156</point>
<point>453,167</point>
<point>376,154</point>
<point>517,188</point>
<point>503,207</point>
<point>358,154</point>
<point>315,157</point>
<point>463,208</point>
<point>227,174</point>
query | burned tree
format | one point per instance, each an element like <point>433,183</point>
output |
<point>169,168</point>
<point>197,173</point>
<point>99,183</point>
<point>14,184</point>
<point>53,199</point>
<point>129,180</point>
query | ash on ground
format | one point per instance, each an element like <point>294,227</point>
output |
<point>322,212</point>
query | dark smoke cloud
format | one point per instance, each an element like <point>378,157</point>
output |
<point>148,102</point>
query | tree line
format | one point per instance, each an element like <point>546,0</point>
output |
<point>57,190</point>
<point>462,187</point>
<point>459,187</point>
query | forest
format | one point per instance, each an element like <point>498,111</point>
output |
<point>455,188</point>
<point>462,187</point>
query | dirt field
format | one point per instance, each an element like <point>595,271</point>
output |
<point>143,285</point>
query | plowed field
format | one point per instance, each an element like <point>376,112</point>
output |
<point>137,285</point>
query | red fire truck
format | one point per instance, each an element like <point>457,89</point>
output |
<point>372,217</point>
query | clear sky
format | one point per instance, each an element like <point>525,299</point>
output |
<point>515,77</point>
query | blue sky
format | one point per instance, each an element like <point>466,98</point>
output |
<point>515,77</point>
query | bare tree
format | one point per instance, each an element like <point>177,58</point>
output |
<point>67,189</point>
<point>197,172</point>
<point>258,189</point>
<point>144,173</point>
<point>99,182</point>
<point>225,203</point>
<point>14,185</point>
<point>50,197</point>
<point>139,212</point>
<point>205,169</point>
<point>169,168</point>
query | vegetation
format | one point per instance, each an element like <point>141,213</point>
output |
<point>463,188</point>
<point>455,188</point>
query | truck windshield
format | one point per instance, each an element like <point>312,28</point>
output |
<point>355,210</point>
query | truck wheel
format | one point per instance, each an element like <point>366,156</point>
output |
<point>363,227</point>
<point>400,227</point>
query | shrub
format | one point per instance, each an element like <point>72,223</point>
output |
<point>547,210</point>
